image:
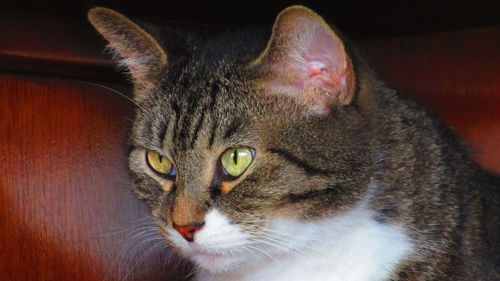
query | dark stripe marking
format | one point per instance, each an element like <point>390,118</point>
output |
<point>192,102</point>
<point>197,128</point>
<point>214,90</point>
<point>310,170</point>
<point>313,194</point>
<point>177,111</point>
<point>212,134</point>
<point>233,128</point>
<point>163,132</point>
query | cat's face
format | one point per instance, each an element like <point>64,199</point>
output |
<point>237,154</point>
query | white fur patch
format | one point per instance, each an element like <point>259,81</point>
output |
<point>217,247</point>
<point>347,247</point>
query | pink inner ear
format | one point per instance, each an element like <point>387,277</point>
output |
<point>313,67</point>
<point>318,73</point>
<point>324,61</point>
<point>306,61</point>
<point>310,65</point>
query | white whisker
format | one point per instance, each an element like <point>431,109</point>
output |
<point>262,251</point>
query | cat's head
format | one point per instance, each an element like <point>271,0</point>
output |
<point>239,146</point>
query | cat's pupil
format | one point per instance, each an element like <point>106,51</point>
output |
<point>235,157</point>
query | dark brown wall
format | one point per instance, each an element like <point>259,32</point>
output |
<point>66,210</point>
<point>456,73</point>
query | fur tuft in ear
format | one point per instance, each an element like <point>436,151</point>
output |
<point>307,61</point>
<point>140,53</point>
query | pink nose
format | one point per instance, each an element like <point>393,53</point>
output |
<point>187,231</point>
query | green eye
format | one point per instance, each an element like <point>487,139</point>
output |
<point>159,163</point>
<point>236,160</point>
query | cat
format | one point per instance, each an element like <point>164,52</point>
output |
<point>284,158</point>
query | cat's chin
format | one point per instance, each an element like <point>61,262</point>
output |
<point>216,262</point>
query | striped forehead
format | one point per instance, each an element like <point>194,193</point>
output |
<point>193,120</point>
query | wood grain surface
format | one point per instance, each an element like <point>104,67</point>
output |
<point>66,210</point>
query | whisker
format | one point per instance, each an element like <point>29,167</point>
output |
<point>124,230</point>
<point>118,93</point>
<point>133,255</point>
<point>262,251</point>
<point>134,241</point>
<point>284,247</point>
<point>284,241</point>
<point>154,247</point>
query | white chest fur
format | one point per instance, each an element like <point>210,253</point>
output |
<point>348,247</point>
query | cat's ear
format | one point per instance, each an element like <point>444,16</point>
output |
<point>306,60</point>
<point>139,52</point>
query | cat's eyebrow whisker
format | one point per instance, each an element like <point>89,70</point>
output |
<point>118,93</point>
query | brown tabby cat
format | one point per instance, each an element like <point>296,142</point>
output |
<point>291,161</point>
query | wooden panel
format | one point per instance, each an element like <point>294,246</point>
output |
<point>66,209</point>
<point>55,44</point>
<point>457,74</point>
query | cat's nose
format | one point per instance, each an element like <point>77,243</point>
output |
<point>187,231</point>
